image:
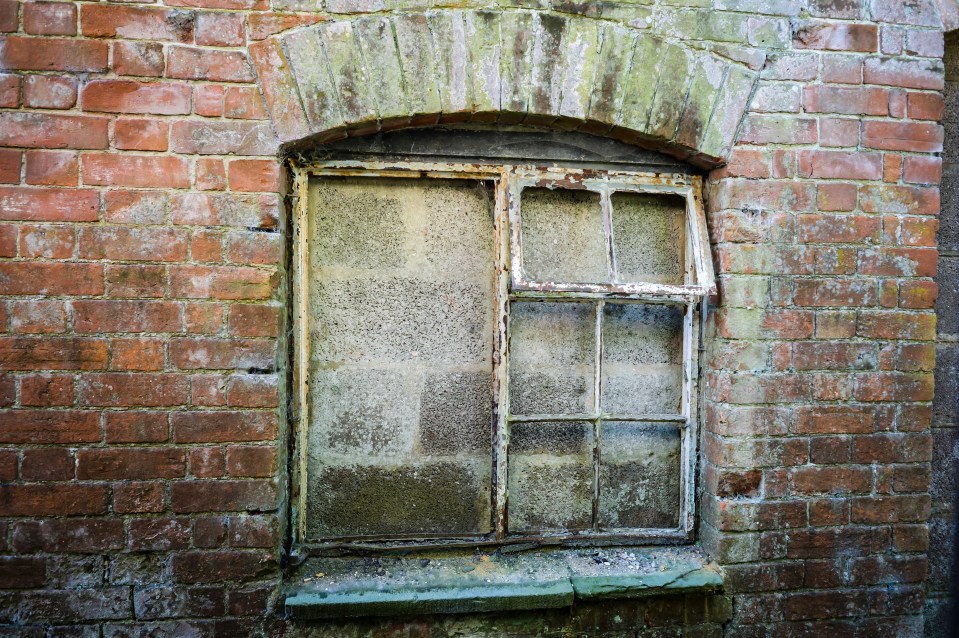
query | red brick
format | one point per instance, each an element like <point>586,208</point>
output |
<point>217,567</point>
<point>130,390</point>
<point>136,23</point>
<point>52,353</point>
<point>45,204</point>
<point>22,572</point>
<point>136,427</point>
<point>47,464</point>
<point>9,15</point>
<point>263,25</point>
<point>223,426</point>
<point>53,168</point>
<point>49,91</point>
<point>254,248</point>
<point>92,536</point>
<point>8,248</point>
<point>252,391</point>
<point>52,500</point>
<point>208,462</point>
<point>136,170</point>
<point>249,320</point>
<point>843,229</point>
<point>828,543</point>
<point>128,96</point>
<point>95,316</point>
<point>53,54</point>
<point>253,531</point>
<point>222,496</point>
<point>256,5</point>
<point>143,59</point>
<point>51,279</point>
<point>812,480</point>
<point>10,166</point>
<point>250,461</point>
<point>208,100</point>
<point>221,282</point>
<point>188,63</point>
<point>204,318</point>
<point>9,90</point>
<point>136,281</point>
<point>206,246</point>
<point>838,132</point>
<point>49,426</point>
<point>160,534</point>
<point>132,243</point>
<point>899,199</point>
<point>912,231</point>
<point>837,36</point>
<point>142,354</point>
<point>210,174</point>
<point>909,74</point>
<point>138,497</point>
<point>38,316</point>
<point>254,175</point>
<point>918,294</point>
<point>777,129</point>
<point>897,325</point>
<point>46,390</point>
<point>223,138</point>
<point>49,130</point>
<point>136,463</point>
<point>817,293</point>
<point>902,136</point>
<point>242,102</point>
<point>894,386</point>
<point>832,355</point>
<point>891,167</point>
<point>220,29</point>
<point>141,135</point>
<point>898,262</point>
<point>888,447</point>
<point>891,509</point>
<point>925,106</point>
<point>922,170</point>
<point>210,353</point>
<point>50,18</point>
<point>48,241</point>
<point>846,100</point>
<point>840,165</point>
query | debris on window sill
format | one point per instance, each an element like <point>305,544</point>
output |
<point>344,587</point>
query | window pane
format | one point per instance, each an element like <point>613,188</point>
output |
<point>552,350</point>
<point>550,476</point>
<point>563,237</point>
<point>401,308</point>
<point>639,475</point>
<point>642,359</point>
<point>649,235</point>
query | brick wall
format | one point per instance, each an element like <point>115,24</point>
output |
<point>142,237</point>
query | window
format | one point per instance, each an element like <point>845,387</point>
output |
<point>495,354</point>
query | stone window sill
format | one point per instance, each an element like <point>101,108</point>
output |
<point>407,586</point>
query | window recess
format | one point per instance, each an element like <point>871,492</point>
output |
<point>495,354</point>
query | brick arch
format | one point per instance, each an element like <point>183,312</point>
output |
<point>354,77</point>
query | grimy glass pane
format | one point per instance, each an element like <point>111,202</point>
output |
<point>642,359</point>
<point>639,475</point>
<point>563,238</point>
<point>649,235</point>
<point>550,477</point>
<point>552,350</point>
<point>401,308</point>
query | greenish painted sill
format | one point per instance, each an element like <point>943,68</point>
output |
<point>412,586</point>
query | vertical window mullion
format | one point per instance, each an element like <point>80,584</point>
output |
<point>501,229</point>
<point>597,407</point>
<point>606,206</point>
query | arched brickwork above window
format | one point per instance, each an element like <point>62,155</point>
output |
<point>386,72</point>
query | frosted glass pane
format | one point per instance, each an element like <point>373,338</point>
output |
<point>649,235</point>
<point>552,350</point>
<point>642,359</point>
<point>563,238</point>
<point>550,477</point>
<point>639,475</point>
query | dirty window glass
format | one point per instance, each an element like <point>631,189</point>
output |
<point>486,354</point>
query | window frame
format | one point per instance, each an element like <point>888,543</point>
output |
<point>509,284</point>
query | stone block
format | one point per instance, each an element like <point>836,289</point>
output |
<point>415,48</point>
<point>376,41</point>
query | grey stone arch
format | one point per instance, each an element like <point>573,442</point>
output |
<point>385,72</point>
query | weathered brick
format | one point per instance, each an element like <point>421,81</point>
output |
<point>223,426</point>
<point>190,63</point>
<point>132,389</point>
<point>48,130</point>
<point>136,23</point>
<point>222,496</point>
<point>96,316</point>
<point>49,426</point>
<point>49,91</point>
<point>27,499</point>
<point>48,204</point>
<point>125,169</point>
<point>128,96</point>
<point>139,463</point>
<point>55,54</point>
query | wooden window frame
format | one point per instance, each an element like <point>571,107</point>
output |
<point>510,285</point>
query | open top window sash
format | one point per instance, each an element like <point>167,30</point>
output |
<point>699,279</point>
